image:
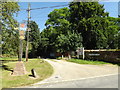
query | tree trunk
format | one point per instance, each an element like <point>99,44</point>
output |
<point>69,56</point>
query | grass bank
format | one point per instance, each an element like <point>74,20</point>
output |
<point>43,70</point>
<point>80,61</point>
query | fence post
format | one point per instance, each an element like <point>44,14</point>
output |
<point>83,53</point>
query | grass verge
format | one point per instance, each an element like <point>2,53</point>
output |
<point>80,61</point>
<point>43,70</point>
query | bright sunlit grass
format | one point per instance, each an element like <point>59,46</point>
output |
<point>80,61</point>
<point>43,70</point>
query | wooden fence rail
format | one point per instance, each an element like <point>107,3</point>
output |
<point>109,55</point>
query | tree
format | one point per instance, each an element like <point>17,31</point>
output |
<point>8,10</point>
<point>10,44</point>
<point>113,32</point>
<point>68,42</point>
<point>9,35</point>
<point>34,38</point>
<point>58,36</point>
<point>56,24</point>
<point>82,24</point>
<point>88,18</point>
<point>108,38</point>
<point>43,44</point>
<point>58,20</point>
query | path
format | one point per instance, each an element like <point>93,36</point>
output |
<point>67,71</point>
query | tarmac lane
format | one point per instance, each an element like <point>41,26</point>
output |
<point>72,75</point>
<point>109,81</point>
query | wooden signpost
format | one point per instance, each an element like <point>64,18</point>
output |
<point>80,52</point>
<point>20,68</point>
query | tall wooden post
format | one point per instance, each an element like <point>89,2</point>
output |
<point>28,26</point>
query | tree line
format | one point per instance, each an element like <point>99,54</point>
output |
<point>82,24</point>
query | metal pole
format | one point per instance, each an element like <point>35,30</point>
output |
<point>28,32</point>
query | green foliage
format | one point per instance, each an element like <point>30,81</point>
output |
<point>108,37</point>
<point>8,10</point>
<point>58,36</point>
<point>91,21</point>
<point>58,20</point>
<point>47,42</point>
<point>56,24</point>
<point>92,27</point>
<point>113,32</point>
<point>10,37</point>
<point>43,45</point>
<point>68,42</point>
<point>79,61</point>
<point>10,40</point>
<point>34,38</point>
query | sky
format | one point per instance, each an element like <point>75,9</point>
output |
<point>41,15</point>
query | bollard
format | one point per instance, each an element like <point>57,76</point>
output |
<point>33,73</point>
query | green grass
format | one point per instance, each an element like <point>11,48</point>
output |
<point>43,70</point>
<point>79,61</point>
<point>9,58</point>
<point>13,58</point>
<point>59,58</point>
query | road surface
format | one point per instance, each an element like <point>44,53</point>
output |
<point>72,75</point>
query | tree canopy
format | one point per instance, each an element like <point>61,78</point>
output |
<point>89,19</point>
<point>82,24</point>
<point>34,38</point>
<point>9,35</point>
<point>58,33</point>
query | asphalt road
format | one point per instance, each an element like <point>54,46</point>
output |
<point>108,81</point>
<point>72,75</point>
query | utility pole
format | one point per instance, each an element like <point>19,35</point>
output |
<point>28,26</point>
<point>20,50</point>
